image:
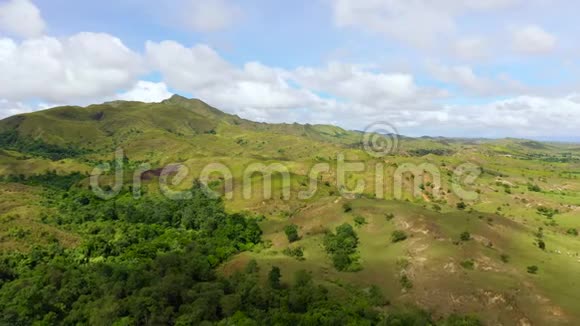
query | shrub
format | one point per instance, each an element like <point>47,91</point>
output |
<point>347,207</point>
<point>541,244</point>
<point>467,264</point>
<point>359,221</point>
<point>533,269</point>
<point>376,296</point>
<point>504,258</point>
<point>292,232</point>
<point>573,232</point>
<point>398,236</point>
<point>547,211</point>
<point>406,282</point>
<point>461,205</point>
<point>297,252</point>
<point>534,187</point>
<point>465,236</point>
<point>389,216</point>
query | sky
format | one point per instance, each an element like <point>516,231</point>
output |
<point>471,68</point>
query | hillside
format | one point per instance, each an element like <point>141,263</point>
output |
<point>509,256</point>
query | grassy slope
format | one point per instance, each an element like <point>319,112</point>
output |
<point>190,132</point>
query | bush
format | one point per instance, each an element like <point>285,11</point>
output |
<point>347,207</point>
<point>292,232</point>
<point>533,269</point>
<point>504,258</point>
<point>573,232</point>
<point>541,244</point>
<point>398,236</point>
<point>547,211</point>
<point>461,205</point>
<point>389,216</point>
<point>467,264</point>
<point>406,282</point>
<point>465,236</point>
<point>297,252</point>
<point>359,221</point>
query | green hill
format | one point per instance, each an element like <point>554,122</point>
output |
<point>508,256</point>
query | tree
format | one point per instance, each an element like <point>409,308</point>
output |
<point>274,277</point>
<point>342,246</point>
<point>292,232</point>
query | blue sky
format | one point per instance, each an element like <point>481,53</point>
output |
<point>491,68</point>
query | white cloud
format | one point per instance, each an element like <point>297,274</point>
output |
<point>471,49</point>
<point>21,18</point>
<point>207,15</point>
<point>201,71</point>
<point>532,39</point>
<point>355,84</point>
<point>190,15</point>
<point>417,22</point>
<point>467,80</point>
<point>9,108</point>
<point>522,116</point>
<point>146,91</point>
<point>85,65</point>
<point>346,94</point>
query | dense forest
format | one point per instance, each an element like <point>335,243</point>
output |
<point>152,261</point>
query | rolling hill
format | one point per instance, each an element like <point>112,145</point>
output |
<point>510,255</point>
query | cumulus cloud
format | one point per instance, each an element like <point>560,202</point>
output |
<point>146,91</point>
<point>85,65</point>
<point>201,71</point>
<point>468,81</point>
<point>21,18</point>
<point>257,91</point>
<point>532,39</point>
<point>522,116</point>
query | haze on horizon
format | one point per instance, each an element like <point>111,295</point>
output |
<point>496,68</point>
